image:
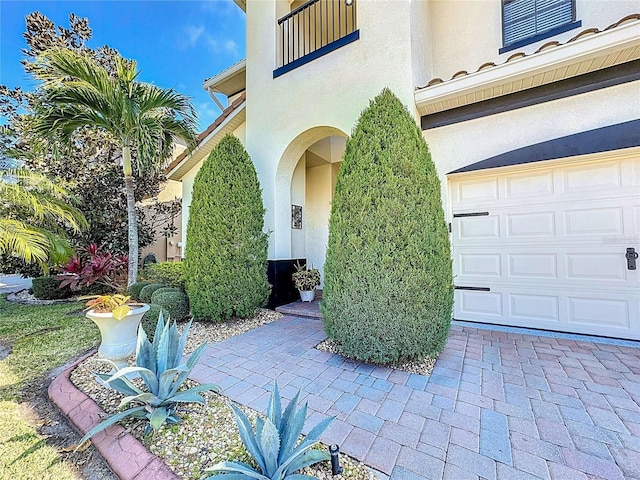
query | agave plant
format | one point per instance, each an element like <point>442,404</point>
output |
<point>274,444</point>
<point>158,365</point>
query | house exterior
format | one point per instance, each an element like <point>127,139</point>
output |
<point>531,110</point>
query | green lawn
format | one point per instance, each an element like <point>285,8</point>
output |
<point>42,338</point>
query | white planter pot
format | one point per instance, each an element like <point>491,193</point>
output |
<point>119,337</point>
<point>307,295</point>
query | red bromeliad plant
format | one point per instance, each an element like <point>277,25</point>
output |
<point>95,267</point>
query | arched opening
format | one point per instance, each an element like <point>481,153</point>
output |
<point>305,183</point>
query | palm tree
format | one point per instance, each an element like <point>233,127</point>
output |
<point>79,92</point>
<point>32,212</point>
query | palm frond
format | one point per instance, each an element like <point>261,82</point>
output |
<point>21,240</point>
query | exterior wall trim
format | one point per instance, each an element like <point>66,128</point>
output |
<point>608,77</point>
<point>341,42</point>
<point>611,138</point>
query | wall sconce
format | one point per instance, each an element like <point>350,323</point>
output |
<point>296,217</point>
<point>348,3</point>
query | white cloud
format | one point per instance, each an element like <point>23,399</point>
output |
<point>191,36</point>
<point>198,36</point>
<point>221,7</point>
<point>231,47</point>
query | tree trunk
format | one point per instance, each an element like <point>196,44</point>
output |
<point>133,231</point>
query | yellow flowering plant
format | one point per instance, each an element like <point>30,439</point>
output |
<point>117,304</point>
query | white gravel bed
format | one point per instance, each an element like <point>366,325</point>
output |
<point>208,433</point>
<point>421,367</point>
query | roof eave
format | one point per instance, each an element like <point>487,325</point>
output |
<point>204,147</point>
<point>604,49</point>
<point>217,82</point>
<point>242,4</point>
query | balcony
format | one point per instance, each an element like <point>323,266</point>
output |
<point>314,29</point>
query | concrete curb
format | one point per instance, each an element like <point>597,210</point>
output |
<point>126,456</point>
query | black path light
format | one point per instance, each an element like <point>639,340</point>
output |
<point>334,451</point>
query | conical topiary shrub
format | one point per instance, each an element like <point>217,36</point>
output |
<point>388,288</point>
<point>226,254</point>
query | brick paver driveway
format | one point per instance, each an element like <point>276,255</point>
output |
<point>497,405</point>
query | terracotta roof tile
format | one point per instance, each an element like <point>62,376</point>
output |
<point>552,44</point>
<point>216,123</point>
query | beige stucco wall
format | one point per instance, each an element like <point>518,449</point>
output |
<point>495,134</point>
<point>318,209</point>
<point>287,114</point>
<point>298,197</point>
<point>468,33</point>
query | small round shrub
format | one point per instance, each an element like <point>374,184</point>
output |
<point>176,303</point>
<point>134,289</point>
<point>163,290</point>
<point>168,273</point>
<point>150,319</point>
<point>48,288</point>
<point>147,291</point>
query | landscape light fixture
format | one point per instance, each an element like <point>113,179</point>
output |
<point>334,451</point>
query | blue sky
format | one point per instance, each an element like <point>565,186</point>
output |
<point>177,44</point>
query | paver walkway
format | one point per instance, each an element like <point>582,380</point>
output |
<point>497,405</point>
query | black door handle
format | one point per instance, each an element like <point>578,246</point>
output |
<point>631,257</point>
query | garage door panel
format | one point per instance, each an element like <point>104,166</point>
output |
<point>554,259</point>
<point>543,266</point>
<point>486,305</point>
<point>480,227</point>
<point>564,265</point>
<point>594,221</point>
<point>536,308</point>
<point>608,313</point>
<point>596,267</point>
<point>583,179</point>
<point>538,224</point>
<point>487,264</point>
<point>524,186</point>
<point>595,312</point>
<point>472,192</point>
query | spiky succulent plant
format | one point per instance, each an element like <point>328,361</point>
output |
<point>158,365</point>
<point>274,444</point>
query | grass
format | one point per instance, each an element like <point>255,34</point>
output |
<point>42,338</point>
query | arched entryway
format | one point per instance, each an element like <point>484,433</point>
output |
<point>305,182</point>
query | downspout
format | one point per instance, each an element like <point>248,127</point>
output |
<point>215,99</point>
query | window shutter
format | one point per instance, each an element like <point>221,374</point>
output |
<point>526,18</point>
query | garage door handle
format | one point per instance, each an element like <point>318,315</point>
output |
<point>631,256</point>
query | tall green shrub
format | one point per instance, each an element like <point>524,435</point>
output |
<point>388,287</point>
<point>225,262</point>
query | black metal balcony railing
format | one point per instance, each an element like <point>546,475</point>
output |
<point>314,29</point>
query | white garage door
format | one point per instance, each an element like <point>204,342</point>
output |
<point>543,246</point>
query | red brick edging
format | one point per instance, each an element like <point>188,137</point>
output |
<point>126,456</point>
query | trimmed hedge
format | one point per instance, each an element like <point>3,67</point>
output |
<point>176,302</point>
<point>150,319</point>
<point>388,289</point>
<point>134,289</point>
<point>147,291</point>
<point>167,273</point>
<point>163,290</point>
<point>226,251</point>
<point>48,288</point>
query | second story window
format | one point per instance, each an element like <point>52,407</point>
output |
<point>527,21</point>
<point>312,29</point>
